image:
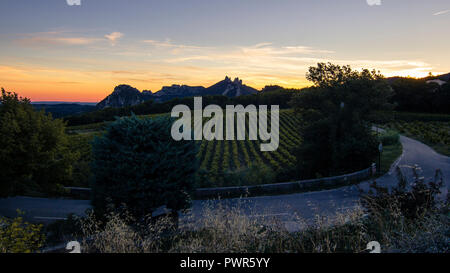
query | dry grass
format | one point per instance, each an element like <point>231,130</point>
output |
<point>232,230</point>
<point>401,220</point>
<point>225,230</point>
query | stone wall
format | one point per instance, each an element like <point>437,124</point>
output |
<point>290,187</point>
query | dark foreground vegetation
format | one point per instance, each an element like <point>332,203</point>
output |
<point>34,154</point>
<point>410,218</point>
<point>404,219</point>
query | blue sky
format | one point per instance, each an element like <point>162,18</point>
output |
<point>53,51</point>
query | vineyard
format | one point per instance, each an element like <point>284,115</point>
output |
<point>237,163</point>
<point>434,133</point>
<point>227,163</point>
<point>221,159</point>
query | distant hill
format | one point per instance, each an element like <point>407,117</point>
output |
<point>125,95</point>
<point>63,102</point>
<point>444,77</point>
<point>440,79</point>
<point>59,110</point>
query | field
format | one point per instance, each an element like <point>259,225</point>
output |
<point>226,163</point>
<point>436,134</point>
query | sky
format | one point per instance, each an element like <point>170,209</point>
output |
<point>52,51</point>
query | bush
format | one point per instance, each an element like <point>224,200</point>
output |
<point>412,199</point>
<point>410,217</point>
<point>17,236</point>
<point>390,137</point>
<point>138,164</point>
<point>246,176</point>
<point>34,154</point>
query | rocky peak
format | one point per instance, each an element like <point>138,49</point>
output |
<point>125,89</point>
<point>179,90</point>
<point>237,81</point>
<point>123,95</point>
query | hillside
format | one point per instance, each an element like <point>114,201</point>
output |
<point>125,95</point>
<point>64,109</point>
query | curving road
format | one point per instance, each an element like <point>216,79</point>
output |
<point>283,207</point>
<point>326,203</point>
<point>42,209</point>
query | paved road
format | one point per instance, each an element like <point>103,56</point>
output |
<point>308,205</point>
<point>283,207</point>
<point>42,209</point>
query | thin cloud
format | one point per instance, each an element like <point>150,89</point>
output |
<point>168,44</point>
<point>441,12</point>
<point>42,40</point>
<point>175,49</point>
<point>114,37</point>
<point>65,38</point>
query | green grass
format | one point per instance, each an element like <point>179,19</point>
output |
<point>390,154</point>
<point>435,134</point>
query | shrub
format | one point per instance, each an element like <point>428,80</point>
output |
<point>17,236</point>
<point>412,200</point>
<point>390,137</point>
<point>252,175</point>
<point>410,217</point>
<point>34,154</point>
<point>138,164</point>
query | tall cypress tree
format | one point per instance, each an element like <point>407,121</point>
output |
<point>139,165</point>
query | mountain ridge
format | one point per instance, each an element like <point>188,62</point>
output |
<point>126,95</point>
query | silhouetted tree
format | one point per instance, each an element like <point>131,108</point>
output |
<point>34,154</point>
<point>336,133</point>
<point>139,165</point>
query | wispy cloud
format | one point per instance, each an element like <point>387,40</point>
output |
<point>114,37</point>
<point>288,63</point>
<point>260,53</point>
<point>169,44</point>
<point>174,48</point>
<point>66,38</point>
<point>170,62</point>
<point>441,12</point>
<point>42,40</point>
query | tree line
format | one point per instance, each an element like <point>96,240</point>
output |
<point>409,95</point>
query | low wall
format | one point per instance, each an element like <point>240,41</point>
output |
<point>267,189</point>
<point>79,193</point>
<point>290,187</point>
